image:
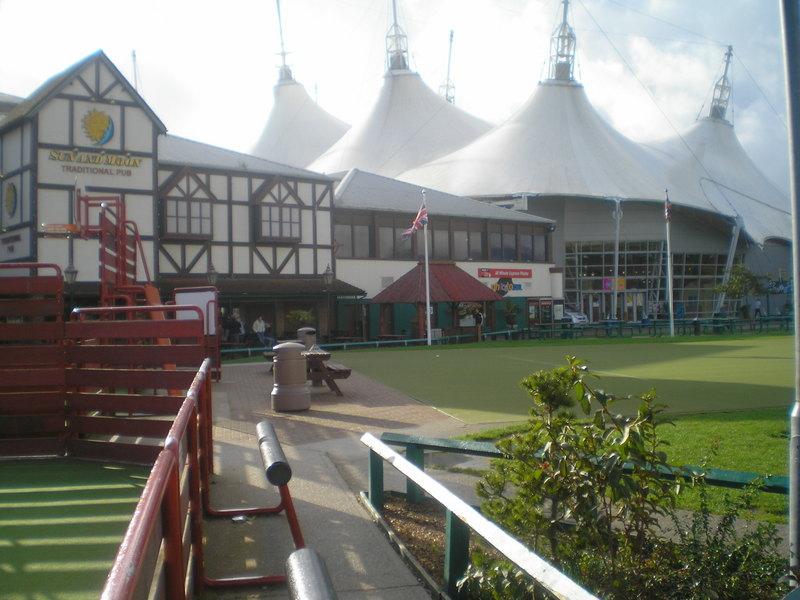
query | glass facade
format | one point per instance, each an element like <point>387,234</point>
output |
<point>641,285</point>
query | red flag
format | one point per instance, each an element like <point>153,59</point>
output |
<point>419,221</point>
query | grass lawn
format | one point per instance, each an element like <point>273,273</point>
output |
<point>728,397</point>
<point>61,523</point>
<point>747,440</point>
<point>479,383</point>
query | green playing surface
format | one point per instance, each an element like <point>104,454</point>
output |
<point>480,383</point>
<point>61,523</point>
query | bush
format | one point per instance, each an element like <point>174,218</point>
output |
<point>585,494</point>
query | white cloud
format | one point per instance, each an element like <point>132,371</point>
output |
<point>208,68</point>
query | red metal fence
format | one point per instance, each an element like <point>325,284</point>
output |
<point>117,384</point>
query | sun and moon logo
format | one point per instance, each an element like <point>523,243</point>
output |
<point>10,200</point>
<point>98,127</point>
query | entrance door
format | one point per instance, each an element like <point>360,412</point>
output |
<point>592,305</point>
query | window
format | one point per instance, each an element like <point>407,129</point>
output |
<point>352,233</point>
<point>495,242</point>
<point>343,234</point>
<point>441,244</point>
<point>540,248</point>
<point>361,241</point>
<point>280,222</point>
<point>476,241</point>
<point>509,242</point>
<point>460,242</point>
<point>525,243</point>
<point>188,217</point>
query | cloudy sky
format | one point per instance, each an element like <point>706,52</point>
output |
<point>207,68</point>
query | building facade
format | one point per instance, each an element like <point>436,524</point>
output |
<point>265,230</point>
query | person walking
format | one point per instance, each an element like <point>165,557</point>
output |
<point>757,309</point>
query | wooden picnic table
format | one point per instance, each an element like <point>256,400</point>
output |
<point>320,370</point>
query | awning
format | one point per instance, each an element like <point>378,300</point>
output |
<point>448,284</point>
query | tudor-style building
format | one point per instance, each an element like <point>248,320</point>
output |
<point>266,228</point>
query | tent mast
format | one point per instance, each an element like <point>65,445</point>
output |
<point>396,45</point>
<point>722,90</point>
<point>562,49</point>
<point>285,72</point>
<point>448,90</point>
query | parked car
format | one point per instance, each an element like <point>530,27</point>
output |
<point>576,317</point>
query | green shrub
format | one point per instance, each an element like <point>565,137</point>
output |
<point>585,494</point>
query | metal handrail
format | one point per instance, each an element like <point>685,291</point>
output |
<point>553,580</point>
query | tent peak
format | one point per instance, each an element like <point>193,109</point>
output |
<point>562,49</point>
<point>396,45</point>
<point>722,90</point>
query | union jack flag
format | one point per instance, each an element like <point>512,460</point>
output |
<point>419,221</point>
<point>667,209</point>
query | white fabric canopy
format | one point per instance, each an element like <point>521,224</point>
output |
<point>557,144</point>
<point>408,125</point>
<point>298,129</point>
<point>721,172</point>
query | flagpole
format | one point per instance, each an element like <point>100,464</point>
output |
<point>427,277</point>
<point>668,218</point>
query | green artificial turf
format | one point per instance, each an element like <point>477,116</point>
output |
<point>479,383</point>
<point>61,523</point>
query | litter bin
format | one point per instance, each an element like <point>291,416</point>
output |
<point>307,336</point>
<point>290,391</point>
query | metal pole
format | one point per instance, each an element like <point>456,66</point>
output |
<point>427,277</point>
<point>669,271</point>
<point>617,214</point>
<point>735,230</point>
<point>790,21</point>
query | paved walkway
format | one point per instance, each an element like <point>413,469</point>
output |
<point>329,468</point>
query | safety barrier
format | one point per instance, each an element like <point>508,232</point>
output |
<point>460,519</point>
<point>278,473</point>
<point>109,385</point>
<point>457,539</point>
<point>307,576</point>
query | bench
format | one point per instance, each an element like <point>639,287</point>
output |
<point>323,371</point>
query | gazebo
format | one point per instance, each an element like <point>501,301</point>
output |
<point>448,284</point>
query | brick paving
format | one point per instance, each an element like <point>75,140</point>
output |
<point>329,468</point>
<point>242,399</point>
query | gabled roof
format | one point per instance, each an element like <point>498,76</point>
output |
<point>298,130</point>
<point>178,150</point>
<point>448,284</point>
<point>408,125</point>
<point>360,190</point>
<point>33,103</point>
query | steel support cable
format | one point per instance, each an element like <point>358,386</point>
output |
<point>658,106</point>
<point>708,39</point>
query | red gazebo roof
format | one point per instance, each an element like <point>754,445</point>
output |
<point>448,284</point>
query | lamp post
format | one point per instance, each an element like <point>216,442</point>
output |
<point>212,276</point>
<point>70,276</point>
<point>327,279</point>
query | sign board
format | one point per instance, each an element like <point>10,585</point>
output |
<point>205,300</point>
<point>608,284</point>
<point>515,273</point>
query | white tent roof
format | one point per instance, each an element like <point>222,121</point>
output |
<point>360,190</point>
<point>298,130</point>
<point>408,125</point>
<point>555,144</point>
<point>727,178</point>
